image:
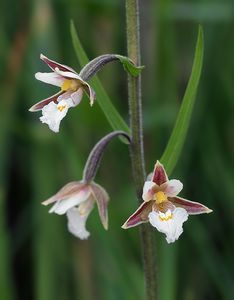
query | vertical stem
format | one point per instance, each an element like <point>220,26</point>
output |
<point>137,148</point>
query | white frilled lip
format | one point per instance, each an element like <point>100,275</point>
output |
<point>57,77</point>
<point>52,115</point>
<point>77,221</point>
<point>170,223</point>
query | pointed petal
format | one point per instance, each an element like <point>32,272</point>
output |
<point>172,187</point>
<point>67,191</point>
<point>102,199</point>
<point>139,216</point>
<point>53,64</point>
<point>65,96</point>
<point>159,174</point>
<point>62,206</point>
<point>193,208</point>
<point>77,96</point>
<point>90,92</point>
<point>169,223</point>
<point>50,78</point>
<point>149,190</point>
<point>39,105</point>
<point>77,223</point>
<point>68,74</point>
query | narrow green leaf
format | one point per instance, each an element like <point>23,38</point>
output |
<point>112,115</point>
<point>177,138</point>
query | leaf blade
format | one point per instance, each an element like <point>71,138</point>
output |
<point>177,138</point>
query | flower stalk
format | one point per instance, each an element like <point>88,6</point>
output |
<point>91,68</point>
<point>96,155</point>
<point>137,147</point>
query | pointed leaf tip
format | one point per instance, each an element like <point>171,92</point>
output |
<point>178,135</point>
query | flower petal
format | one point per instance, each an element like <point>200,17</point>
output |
<point>77,96</point>
<point>163,206</point>
<point>192,208</point>
<point>169,223</point>
<point>62,206</point>
<point>149,190</point>
<point>52,115</point>
<point>39,105</point>
<point>139,216</point>
<point>102,199</point>
<point>67,191</point>
<point>64,96</point>
<point>172,187</point>
<point>90,92</point>
<point>85,85</point>
<point>159,174</point>
<point>53,64</point>
<point>77,222</point>
<point>68,74</point>
<point>50,78</point>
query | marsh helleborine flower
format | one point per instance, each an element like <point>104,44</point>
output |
<point>72,87</point>
<point>76,200</point>
<point>162,207</point>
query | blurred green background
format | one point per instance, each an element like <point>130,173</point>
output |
<point>39,259</point>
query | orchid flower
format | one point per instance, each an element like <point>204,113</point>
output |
<point>76,200</point>
<point>162,207</point>
<point>72,87</point>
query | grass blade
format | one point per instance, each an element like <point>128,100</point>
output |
<point>176,141</point>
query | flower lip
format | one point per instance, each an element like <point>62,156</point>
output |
<point>77,222</point>
<point>169,223</point>
<point>53,113</point>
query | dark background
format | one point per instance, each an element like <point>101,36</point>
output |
<point>39,259</point>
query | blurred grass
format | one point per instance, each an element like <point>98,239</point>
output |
<point>38,258</point>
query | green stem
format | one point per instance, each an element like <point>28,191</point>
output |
<point>137,148</point>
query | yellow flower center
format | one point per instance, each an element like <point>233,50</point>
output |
<point>160,197</point>
<point>166,217</point>
<point>70,84</point>
<point>61,107</point>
